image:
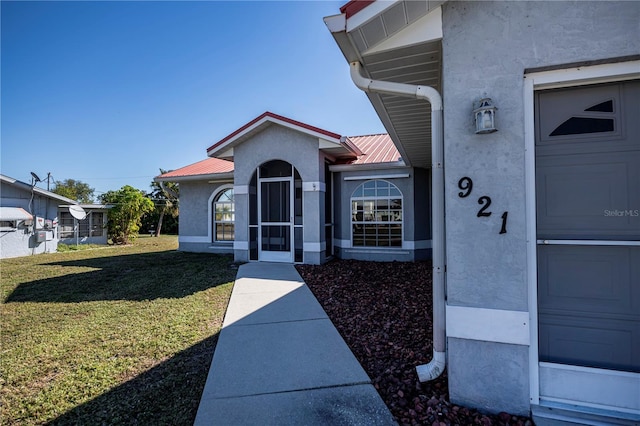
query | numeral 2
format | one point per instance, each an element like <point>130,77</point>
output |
<point>485,202</point>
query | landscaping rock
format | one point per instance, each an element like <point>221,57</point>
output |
<point>383,312</point>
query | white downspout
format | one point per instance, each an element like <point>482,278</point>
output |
<point>437,364</point>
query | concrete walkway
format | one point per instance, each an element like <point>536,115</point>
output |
<point>280,361</point>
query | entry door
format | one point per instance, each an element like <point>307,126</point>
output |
<point>276,221</point>
<point>588,234</point>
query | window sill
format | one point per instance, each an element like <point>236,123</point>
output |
<point>398,250</point>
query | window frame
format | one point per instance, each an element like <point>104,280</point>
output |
<point>212,217</point>
<point>8,225</point>
<point>374,199</point>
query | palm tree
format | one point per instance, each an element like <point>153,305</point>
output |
<point>165,196</point>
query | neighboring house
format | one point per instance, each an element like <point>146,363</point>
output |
<point>31,219</point>
<point>283,191</point>
<point>541,236</point>
<point>90,230</point>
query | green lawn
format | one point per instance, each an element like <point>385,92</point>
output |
<point>110,335</point>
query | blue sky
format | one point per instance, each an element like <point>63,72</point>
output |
<point>109,92</point>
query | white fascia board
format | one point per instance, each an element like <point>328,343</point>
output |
<point>228,153</point>
<point>371,166</point>
<point>353,147</point>
<point>37,190</point>
<point>232,141</point>
<point>214,177</point>
<point>334,145</point>
<point>49,194</point>
<point>240,137</point>
<point>368,13</point>
<point>307,131</point>
<point>324,143</point>
<point>336,23</point>
<point>427,28</point>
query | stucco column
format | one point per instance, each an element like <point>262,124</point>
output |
<point>241,243</point>
<point>313,220</point>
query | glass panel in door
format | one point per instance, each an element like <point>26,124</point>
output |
<point>275,221</point>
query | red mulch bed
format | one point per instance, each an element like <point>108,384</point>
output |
<point>383,312</point>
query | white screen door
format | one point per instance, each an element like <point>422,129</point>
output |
<point>276,224</point>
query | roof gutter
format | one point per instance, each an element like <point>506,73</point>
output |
<point>437,364</point>
<point>211,177</point>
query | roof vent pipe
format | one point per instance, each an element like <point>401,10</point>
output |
<point>437,364</point>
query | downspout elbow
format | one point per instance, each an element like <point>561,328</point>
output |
<point>368,85</point>
<point>433,369</point>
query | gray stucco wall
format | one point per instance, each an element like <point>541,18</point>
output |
<point>277,143</point>
<point>300,150</point>
<point>489,375</point>
<point>194,219</point>
<point>415,230</point>
<point>422,203</point>
<point>486,48</point>
<point>514,36</point>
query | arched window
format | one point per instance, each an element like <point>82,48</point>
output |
<point>224,216</point>
<point>376,215</point>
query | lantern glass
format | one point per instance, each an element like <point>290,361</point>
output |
<point>485,116</point>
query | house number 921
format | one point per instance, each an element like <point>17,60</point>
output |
<point>466,186</point>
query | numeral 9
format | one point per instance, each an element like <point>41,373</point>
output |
<point>466,184</point>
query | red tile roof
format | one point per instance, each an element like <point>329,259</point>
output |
<point>209,166</point>
<point>354,7</point>
<point>375,148</point>
<point>275,117</point>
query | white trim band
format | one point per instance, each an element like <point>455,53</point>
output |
<point>240,189</point>
<point>417,245</point>
<point>489,325</point>
<point>585,75</point>
<point>342,243</point>
<point>591,387</point>
<point>314,247</point>
<point>389,176</point>
<point>314,186</point>
<point>241,245</point>
<point>587,243</point>
<point>375,250</point>
<point>193,239</point>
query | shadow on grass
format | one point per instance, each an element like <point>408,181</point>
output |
<point>166,394</point>
<point>136,277</point>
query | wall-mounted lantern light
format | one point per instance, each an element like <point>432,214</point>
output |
<point>485,115</point>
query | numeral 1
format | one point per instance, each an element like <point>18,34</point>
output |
<point>503,230</point>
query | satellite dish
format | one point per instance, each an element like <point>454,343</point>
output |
<point>77,212</point>
<point>35,177</point>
